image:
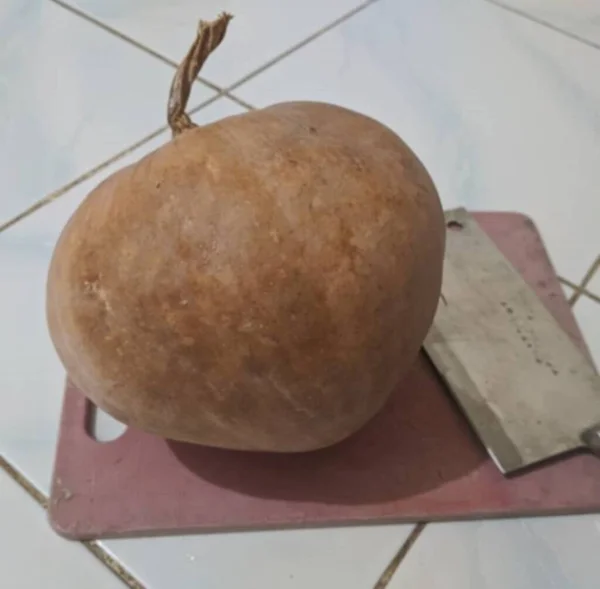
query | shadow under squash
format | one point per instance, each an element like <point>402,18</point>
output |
<point>418,442</point>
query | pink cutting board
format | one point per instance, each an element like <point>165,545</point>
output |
<point>418,460</point>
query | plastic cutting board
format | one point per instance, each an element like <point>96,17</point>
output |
<point>418,460</point>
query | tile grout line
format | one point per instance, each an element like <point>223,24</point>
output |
<point>221,93</point>
<point>543,23</point>
<point>239,101</point>
<point>225,91</point>
<point>581,288</point>
<point>164,59</point>
<point>167,61</point>
<point>582,291</point>
<point>114,565</point>
<point>571,285</point>
<point>590,295</point>
<point>399,557</point>
<point>91,546</point>
<point>149,51</point>
<point>320,32</point>
<point>24,483</point>
<point>124,152</point>
<point>129,40</point>
<point>82,178</point>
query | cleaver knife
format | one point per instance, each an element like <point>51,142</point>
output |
<point>526,389</point>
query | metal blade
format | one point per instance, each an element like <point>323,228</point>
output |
<point>527,390</point>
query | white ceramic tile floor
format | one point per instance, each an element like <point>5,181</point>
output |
<point>580,18</point>
<point>32,555</point>
<point>503,112</point>
<point>544,553</point>
<point>263,28</point>
<point>431,70</point>
<point>71,96</point>
<point>348,558</point>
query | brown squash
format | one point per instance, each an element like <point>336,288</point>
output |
<point>259,283</point>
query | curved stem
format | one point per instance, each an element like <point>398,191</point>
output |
<point>209,36</point>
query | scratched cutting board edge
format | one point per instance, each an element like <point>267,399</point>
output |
<point>525,387</point>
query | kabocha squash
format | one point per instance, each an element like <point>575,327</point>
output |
<point>260,283</point>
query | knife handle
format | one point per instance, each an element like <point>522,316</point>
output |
<point>591,438</point>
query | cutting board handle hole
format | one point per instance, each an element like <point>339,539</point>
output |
<point>102,427</point>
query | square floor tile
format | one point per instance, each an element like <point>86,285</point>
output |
<point>71,96</point>
<point>32,555</point>
<point>503,112</point>
<point>260,31</point>
<point>544,553</point>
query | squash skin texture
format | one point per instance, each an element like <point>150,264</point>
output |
<point>260,283</point>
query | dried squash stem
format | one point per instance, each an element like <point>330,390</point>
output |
<point>209,36</point>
